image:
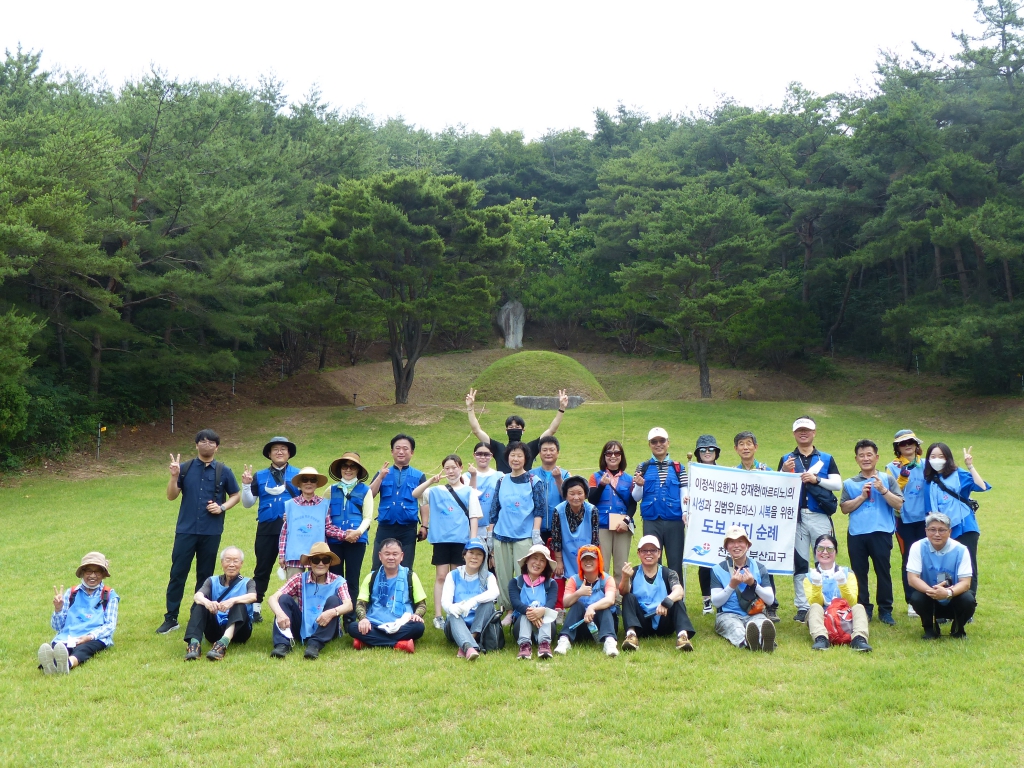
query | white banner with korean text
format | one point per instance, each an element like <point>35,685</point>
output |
<point>764,504</point>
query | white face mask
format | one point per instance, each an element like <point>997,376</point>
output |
<point>937,464</point>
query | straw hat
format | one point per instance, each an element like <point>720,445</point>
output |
<point>335,469</point>
<point>320,548</point>
<point>321,480</point>
<point>94,558</point>
<point>734,532</point>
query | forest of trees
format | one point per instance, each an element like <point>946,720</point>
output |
<point>168,233</point>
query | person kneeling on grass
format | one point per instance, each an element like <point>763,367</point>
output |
<point>312,603</point>
<point>740,590</point>
<point>84,618</point>
<point>533,595</point>
<point>832,590</point>
<point>468,596</point>
<point>391,604</point>
<point>940,570</point>
<point>651,593</point>
<point>589,599</point>
<point>222,609</point>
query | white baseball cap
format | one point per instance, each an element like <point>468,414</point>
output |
<point>648,540</point>
<point>804,424</point>
<point>657,432</point>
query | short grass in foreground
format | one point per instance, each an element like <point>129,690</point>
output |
<point>909,703</point>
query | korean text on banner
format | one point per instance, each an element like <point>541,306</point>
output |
<point>764,504</point>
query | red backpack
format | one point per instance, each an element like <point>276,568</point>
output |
<point>839,622</point>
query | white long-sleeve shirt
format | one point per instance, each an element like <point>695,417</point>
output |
<point>490,594</point>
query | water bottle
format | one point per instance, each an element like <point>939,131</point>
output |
<point>593,629</point>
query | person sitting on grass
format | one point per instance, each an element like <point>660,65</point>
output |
<point>311,603</point>
<point>589,601</point>
<point>391,604</point>
<point>939,570</point>
<point>533,595</point>
<point>222,609</point>
<point>740,591</point>
<point>652,600</point>
<point>826,584</point>
<point>84,618</point>
<point>468,597</point>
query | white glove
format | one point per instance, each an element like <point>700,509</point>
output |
<point>814,577</point>
<point>840,577</point>
<point>536,538</point>
<point>456,610</point>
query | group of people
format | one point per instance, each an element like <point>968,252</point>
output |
<point>540,550</point>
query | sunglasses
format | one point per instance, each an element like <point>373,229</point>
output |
<point>907,442</point>
<point>707,450</point>
<point>613,453</point>
<point>824,550</point>
<point>658,441</point>
<point>319,561</point>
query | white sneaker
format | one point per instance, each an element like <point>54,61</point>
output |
<point>438,622</point>
<point>563,646</point>
<point>611,648</point>
<point>911,613</point>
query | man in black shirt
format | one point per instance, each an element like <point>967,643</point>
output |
<point>514,426</point>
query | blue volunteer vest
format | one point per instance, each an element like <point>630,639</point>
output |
<point>874,515</point>
<point>448,523</point>
<point>552,494</point>
<point>829,586</point>
<point>571,542</point>
<point>220,592</point>
<point>314,596</point>
<point>390,598</point>
<point>397,505</point>
<point>806,500</point>
<point>272,497</point>
<point>516,519</point>
<point>611,497</point>
<point>465,589</point>
<point>533,597</point>
<point>85,615</point>
<point>732,605</point>
<point>485,487</point>
<point>661,502</point>
<point>915,494</point>
<point>961,517</point>
<point>347,511</point>
<point>936,568</point>
<point>597,590</point>
<point>306,526</point>
<point>650,595</point>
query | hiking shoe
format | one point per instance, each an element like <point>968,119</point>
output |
<point>406,646</point>
<point>708,607</point>
<point>280,651</point>
<point>860,644</point>
<point>357,645</point>
<point>216,653</point>
<point>438,622</point>
<point>194,649</point>
<point>955,630</point>
<point>753,637</point>
<point>773,614</point>
<point>767,636</point>
<point>563,646</point>
<point>611,648</point>
<point>631,643</point>
<point>886,618</point>
<point>821,643</point>
<point>45,657</point>
<point>683,643</point>
<point>911,613</point>
<point>472,654</point>
<point>313,648</point>
<point>525,651</point>
<point>801,616</point>
<point>461,654</point>
<point>61,660</point>
<point>932,633</point>
<point>257,614</point>
<point>544,650</point>
<point>168,626</point>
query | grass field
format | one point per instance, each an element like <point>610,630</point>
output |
<point>909,703</point>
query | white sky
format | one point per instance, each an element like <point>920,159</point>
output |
<point>531,66</point>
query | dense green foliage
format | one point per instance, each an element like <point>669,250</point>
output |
<point>172,232</point>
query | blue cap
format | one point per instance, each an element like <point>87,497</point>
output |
<point>475,544</point>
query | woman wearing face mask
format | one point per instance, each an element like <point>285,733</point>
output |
<point>707,452</point>
<point>455,512</point>
<point>908,471</point>
<point>949,493</point>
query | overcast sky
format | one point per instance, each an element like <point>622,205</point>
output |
<point>531,66</point>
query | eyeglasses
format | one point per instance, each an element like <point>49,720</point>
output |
<point>936,530</point>
<point>613,453</point>
<point>658,441</point>
<point>204,441</point>
<point>824,550</point>
<point>483,454</point>
<point>650,551</point>
<point>319,561</point>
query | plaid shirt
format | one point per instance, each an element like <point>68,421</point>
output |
<point>293,586</point>
<point>330,529</point>
<point>105,634</point>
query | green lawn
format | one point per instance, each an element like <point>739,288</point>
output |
<point>909,703</point>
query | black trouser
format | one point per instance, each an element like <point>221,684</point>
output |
<point>704,577</point>
<point>406,535</point>
<point>186,547</point>
<point>202,623</point>
<point>604,620</point>
<point>322,635</point>
<point>906,535</point>
<point>961,608</point>
<point>672,536</point>
<point>411,630</point>
<point>877,547</point>
<point>351,563</point>
<point>970,540</point>
<point>268,535</point>
<point>633,617</point>
<point>83,651</point>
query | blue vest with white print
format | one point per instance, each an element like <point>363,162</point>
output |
<point>390,599</point>
<point>515,521</point>
<point>220,592</point>
<point>937,568</point>
<point>650,595</point>
<point>347,511</point>
<point>553,495</point>
<point>661,502</point>
<point>306,526</point>
<point>314,596</point>
<point>85,616</point>
<point>448,523</point>
<point>611,500</point>
<point>572,541</point>
<point>485,487</point>
<point>465,589</point>
<point>915,493</point>
<point>397,504</point>
<point>272,497</point>
<point>806,500</point>
<point>873,515</point>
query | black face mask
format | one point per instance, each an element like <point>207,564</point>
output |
<point>514,435</point>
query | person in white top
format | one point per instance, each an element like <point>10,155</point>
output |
<point>468,599</point>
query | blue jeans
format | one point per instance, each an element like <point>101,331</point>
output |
<point>455,628</point>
